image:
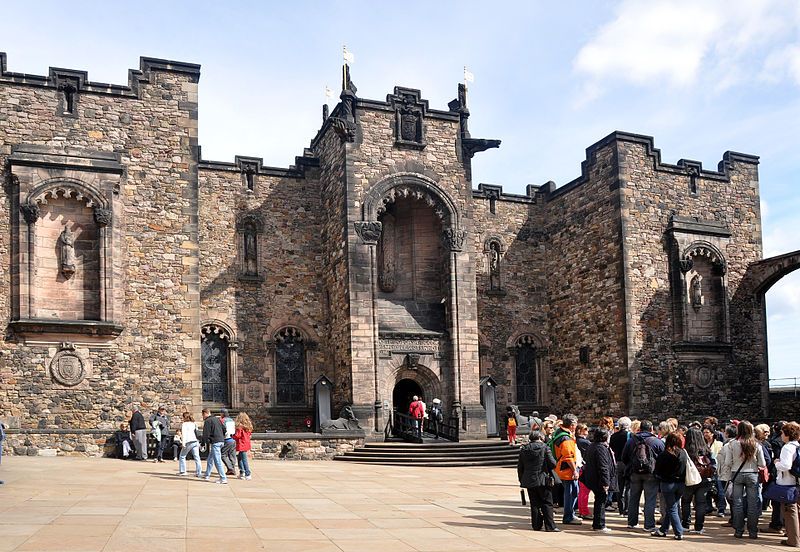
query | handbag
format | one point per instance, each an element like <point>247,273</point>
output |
<point>729,484</point>
<point>785,494</point>
<point>692,474</point>
<point>763,475</point>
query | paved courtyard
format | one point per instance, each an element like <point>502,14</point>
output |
<point>89,504</point>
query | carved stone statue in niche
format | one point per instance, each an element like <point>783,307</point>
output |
<point>250,252</point>
<point>387,279</point>
<point>696,292</point>
<point>67,254</point>
<point>494,266</point>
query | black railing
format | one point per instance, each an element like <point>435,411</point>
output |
<point>408,428</point>
<point>446,429</point>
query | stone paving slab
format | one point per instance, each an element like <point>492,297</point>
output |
<point>97,505</point>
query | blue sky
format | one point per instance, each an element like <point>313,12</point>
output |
<point>550,79</point>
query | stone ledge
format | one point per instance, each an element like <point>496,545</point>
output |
<point>39,326</point>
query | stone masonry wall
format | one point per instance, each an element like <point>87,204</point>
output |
<point>666,379</point>
<point>584,286</point>
<point>288,290</point>
<point>153,129</point>
<point>521,306</point>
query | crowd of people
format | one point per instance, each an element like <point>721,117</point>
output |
<point>225,439</point>
<point>682,473</point>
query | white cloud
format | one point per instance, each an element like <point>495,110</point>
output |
<point>679,43</point>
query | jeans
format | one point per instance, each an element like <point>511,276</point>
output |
<point>194,448</point>
<point>570,500</point>
<point>672,493</point>
<point>244,465</point>
<point>698,493</point>
<point>599,519</point>
<point>746,482</point>
<point>643,482</point>
<point>215,457</point>
<point>541,499</point>
<point>162,445</point>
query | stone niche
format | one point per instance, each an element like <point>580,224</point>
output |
<point>64,206</point>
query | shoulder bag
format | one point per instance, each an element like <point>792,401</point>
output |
<point>692,473</point>
<point>729,485</point>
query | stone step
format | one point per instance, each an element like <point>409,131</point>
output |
<point>481,453</point>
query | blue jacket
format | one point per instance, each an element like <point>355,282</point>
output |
<point>655,444</point>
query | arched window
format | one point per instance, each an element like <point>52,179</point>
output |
<point>290,367</point>
<point>526,370</point>
<point>214,357</point>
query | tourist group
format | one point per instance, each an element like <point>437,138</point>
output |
<point>684,472</point>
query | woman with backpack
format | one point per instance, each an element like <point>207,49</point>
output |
<point>744,457</point>
<point>699,454</point>
<point>790,433</point>
<point>511,426</point>
<point>671,473</point>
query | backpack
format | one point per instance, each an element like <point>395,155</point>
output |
<point>795,469</point>
<point>644,459</point>
<point>512,422</point>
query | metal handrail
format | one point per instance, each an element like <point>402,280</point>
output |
<point>790,384</point>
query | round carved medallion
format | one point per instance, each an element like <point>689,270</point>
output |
<point>704,376</point>
<point>68,368</point>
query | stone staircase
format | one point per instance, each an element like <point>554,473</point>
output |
<point>435,453</point>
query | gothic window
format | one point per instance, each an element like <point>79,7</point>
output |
<point>214,361</point>
<point>290,367</point>
<point>526,370</point>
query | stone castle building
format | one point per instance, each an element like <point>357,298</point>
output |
<point>135,271</point>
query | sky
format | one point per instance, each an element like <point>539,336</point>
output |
<point>551,78</point>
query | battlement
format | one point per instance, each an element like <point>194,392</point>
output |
<point>58,77</point>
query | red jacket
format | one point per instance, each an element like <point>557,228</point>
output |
<point>415,410</point>
<point>242,438</point>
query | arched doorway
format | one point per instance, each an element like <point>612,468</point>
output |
<point>404,391</point>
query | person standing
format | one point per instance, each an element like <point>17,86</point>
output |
<point>189,445</point>
<point>698,453</point>
<point>790,434</point>
<point>2,439</point>
<point>599,475</point>
<point>437,417</point>
<point>229,448</point>
<point>776,442</point>
<point>534,471</point>
<point>565,451</point>
<point>714,447</point>
<point>415,411</point>
<point>214,437</point>
<point>670,471</point>
<point>744,458</point>
<point>639,457</point>
<point>159,421</point>
<point>139,431</point>
<point>244,428</point>
<point>511,426</point>
<point>583,443</point>
<point>617,444</point>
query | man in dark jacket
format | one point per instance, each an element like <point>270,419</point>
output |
<point>160,417</point>
<point>139,431</point>
<point>639,457</point>
<point>534,471</point>
<point>617,444</point>
<point>214,438</point>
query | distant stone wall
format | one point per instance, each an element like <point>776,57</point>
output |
<point>265,446</point>
<point>784,405</point>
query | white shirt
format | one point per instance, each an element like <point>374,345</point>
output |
<point>784,464</point>
<point>230,428</point>
<point>188,432</point>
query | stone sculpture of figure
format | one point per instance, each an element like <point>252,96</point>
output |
<point>494,266</point>
<point>67,259</point>
<point>250,255</point>
<point>346,421</point>
<point>697,293</point>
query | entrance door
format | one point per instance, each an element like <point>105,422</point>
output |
<point>214,355</point>
<point>404,391</point>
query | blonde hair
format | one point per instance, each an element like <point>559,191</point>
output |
<point>636,425</point>
<point>243,421</point>
<point>761,431</point>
